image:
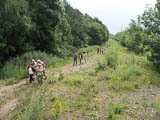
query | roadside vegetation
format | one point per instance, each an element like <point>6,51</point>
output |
<point>124,89</point>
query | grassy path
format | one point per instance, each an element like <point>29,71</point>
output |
<point>10,90</point>
<point>126,88</point>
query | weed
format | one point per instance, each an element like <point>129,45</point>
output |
<point>94,113</point>
<point>76,83</point>
<point>80,103</point>
<point>147,82</point>
<point>111,58</point>
<point>56,108</point>
<point>136,86</point>
<point>33,111</point>
<point>95,100</point>
<point>156,105</point>
<point>74,80</point>
<point>61,75</point>
<point>53,99</point>
<point>115,111</point>
<point>92,73</point>
<point>101,65</point>
<point>52,79</point>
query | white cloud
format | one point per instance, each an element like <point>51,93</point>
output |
<point>116,14</point>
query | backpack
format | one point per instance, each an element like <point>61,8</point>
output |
<point>33,69</point>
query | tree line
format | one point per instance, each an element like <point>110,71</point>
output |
<point>51,26</point>
<point>143,35</point>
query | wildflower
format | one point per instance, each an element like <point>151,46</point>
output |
<point>95,100</point>
<point>56,108</point>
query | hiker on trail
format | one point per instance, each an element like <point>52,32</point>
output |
<point>75,59</point>
<point>39,72</point>
<point>30,72</point>
<point>33,62</point>
<point>34,65</point>
<point>44,68</point>
<point>85,57</point>
<point>97,50</point>
<point>102,50</point>
<point>81,58</point>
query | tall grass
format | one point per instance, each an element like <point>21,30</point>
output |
<point>125,70</point>
<point>16,67</point>
<point>32,111</point>
<point>111,58</point>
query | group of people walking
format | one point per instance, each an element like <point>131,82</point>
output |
<point>82,58</point>
<point>100,50</point>
<point>37,69</point>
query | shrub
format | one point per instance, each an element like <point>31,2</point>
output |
<point>111,57</point>
<point>101,65</point>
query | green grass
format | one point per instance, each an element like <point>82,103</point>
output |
<point>156,105</point>
<point>16,68</point>
<point>116,111</point>
<point>114,85</point>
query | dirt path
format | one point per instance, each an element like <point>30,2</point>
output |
<point>8,108</point>
<point>10,88</point>
<point>10,105</point>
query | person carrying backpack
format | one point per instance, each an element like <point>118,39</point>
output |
<point>81,58</point>
<point>75,59</point>
<point>85,57</point>
<point>34,67</point>
<point>39,72</point>
<point>97,50</point>
<point>44,68</point>
<point>30,72</point>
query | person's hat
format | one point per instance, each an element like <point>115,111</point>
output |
<point>33,60</point>
<point>38,60</point>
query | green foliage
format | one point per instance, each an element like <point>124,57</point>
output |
<point>74,80</point>
<point>33,111</point>
<point>17,67</point>
<point>111,57</point>
<point>61,75</point>
<point>144,35</point>
<point>116,111</point>
<point>133,38</point>
<point>101,65</point>
<point>53,99</point>
<point>56,108</point>
<point>156,105</point>
<point>51,26</point>
<point>52,79</point>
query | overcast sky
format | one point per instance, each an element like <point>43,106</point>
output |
<point>115,14</point>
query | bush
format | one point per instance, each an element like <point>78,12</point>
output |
<point>16,67</point>
<point>101,65</point>
<point>111,58</point>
